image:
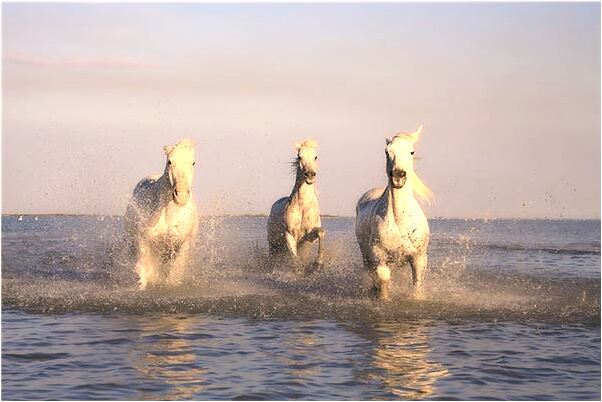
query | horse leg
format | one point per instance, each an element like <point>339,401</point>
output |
<point>321,234</point>
<point>178,265</point>
<point>383,275</point>
<point>370,263</point>
<point>291,245</point>
<point>311,236</point>
<point>419,265</point>
<point>145,266</point>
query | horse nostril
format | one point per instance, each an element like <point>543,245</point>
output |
<point>398,173</point>
<point>175,192</point>
<point>310,175</point>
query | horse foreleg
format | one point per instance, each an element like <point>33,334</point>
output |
<point>311,236</point>
<point>382,275</point>
<point>419,265</point>
<point>291,245</point>
<point>178,265</point>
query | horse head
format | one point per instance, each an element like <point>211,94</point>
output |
<point>180,169</point>
<point>400,163</point>
<point>306,164</point>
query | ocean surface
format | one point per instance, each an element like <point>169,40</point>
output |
<point>512,312</point>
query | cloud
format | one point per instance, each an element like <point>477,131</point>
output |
<point>25,59</point>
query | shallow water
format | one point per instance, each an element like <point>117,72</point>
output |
<point>513,312</point>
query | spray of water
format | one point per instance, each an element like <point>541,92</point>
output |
<point>90,268</point>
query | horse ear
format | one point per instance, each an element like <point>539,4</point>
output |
<point>297,146</point>
<point>167,149</point>
<point>389,140</point>
<point>416,134</point>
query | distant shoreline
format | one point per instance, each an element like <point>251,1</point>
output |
<point>325,216</point>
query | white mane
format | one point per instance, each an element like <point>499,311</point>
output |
<point>421,190</point>
<point>186,144</point>
<point>310,143</point>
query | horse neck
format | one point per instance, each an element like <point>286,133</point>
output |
<point>302,193</point>
<point>399,200</point>
<point>164,188</point>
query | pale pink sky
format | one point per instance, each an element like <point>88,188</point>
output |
<point>509,95</point>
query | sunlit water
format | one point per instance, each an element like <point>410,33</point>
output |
<point>513,312</point>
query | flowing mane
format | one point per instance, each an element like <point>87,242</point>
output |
<point>420,189</point>
<point>400,135</point>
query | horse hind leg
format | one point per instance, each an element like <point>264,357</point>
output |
<point>277,253</point>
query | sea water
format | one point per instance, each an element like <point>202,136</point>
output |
<point>512,312</point>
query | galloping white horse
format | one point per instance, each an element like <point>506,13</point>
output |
<point>294,221</point>
<point>161,219</point>
<point>390,226</point>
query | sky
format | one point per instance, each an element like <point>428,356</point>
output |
<point>509,96</point>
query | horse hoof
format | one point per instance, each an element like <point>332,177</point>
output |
<point>376,294</point>
<point>384,297</point>
<point>418,293</point>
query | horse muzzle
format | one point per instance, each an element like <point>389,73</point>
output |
<point>398,178</point>
<point>181,197</point>
<point>310,177</point>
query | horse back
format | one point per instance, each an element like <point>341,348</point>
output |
<point>368,197</point>
<point>276,225</point>
<point>146,184</point>
<point>363,210</point>
<point>139,205</point>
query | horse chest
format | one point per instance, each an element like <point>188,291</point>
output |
<point>397,238</point>
<point>302,220</point>
<point>170,228</point>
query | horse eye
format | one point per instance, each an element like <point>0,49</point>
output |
<point>316,158</point>
<point>168,162</point>
<point>193,163</point>
<point>412,153</point>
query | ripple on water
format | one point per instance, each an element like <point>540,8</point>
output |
<point>501,321</point>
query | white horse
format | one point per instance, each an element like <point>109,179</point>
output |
<point>294,221</point>
<point>161,219</point>
<point>390,226</point>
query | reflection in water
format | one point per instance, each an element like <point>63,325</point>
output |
<point>301,349</point>
<point>400,359</point>
<point>167,360</point>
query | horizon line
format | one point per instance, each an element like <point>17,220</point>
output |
<point>250,215</point>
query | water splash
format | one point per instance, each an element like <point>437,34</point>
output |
<point>82,265</point>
